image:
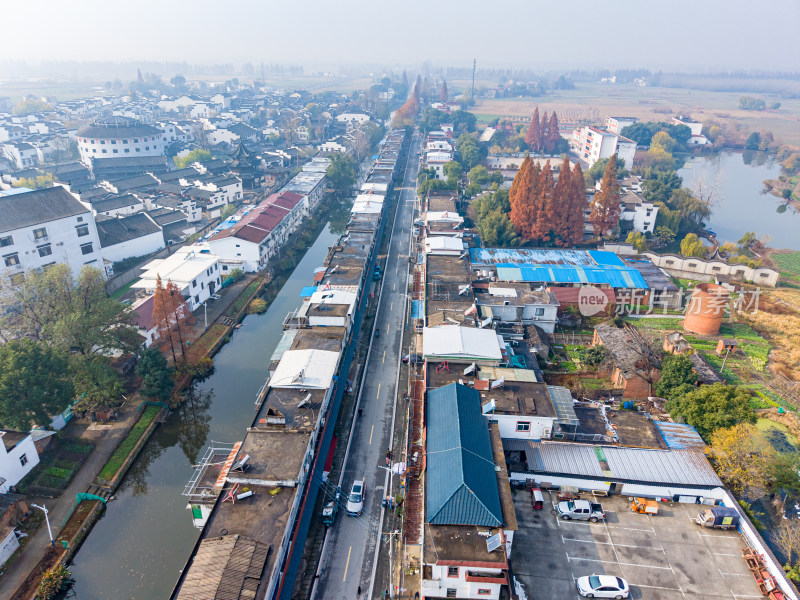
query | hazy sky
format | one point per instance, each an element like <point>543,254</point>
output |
<point>684,34</point>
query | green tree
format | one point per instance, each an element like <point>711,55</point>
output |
<point>341,172</point>
<point>479,175</point>
<point>693,211</point>
<point>637,239</point>
<point>596,171</point>
<point>35,183</point>
<point>747,240</point>
<point>196,155</point>
<point>156,377</point>
<point>659,185</point>
<point>227,211</point>
<point>750,103</point>
<point>96,383</point>
<point>692,246</point>
<point>665,235</point>
<point>663,142</point>
<point>34,384</point>
<point>473,189</point>
<point>73,314</point>
<point>712,407</point>
<point>753,141</point>
<point>452,170</point>
<point>468,151</point>
<point>677,377</point>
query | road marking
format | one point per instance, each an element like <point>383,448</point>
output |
<point>394,287</point>
<point>371,431</point>
<point>390,306</point>
<point>655,587</point>
<point>379,391</point>
<point>614,562</point>
<point>387,329</point>
<point>347,564</point>
<point>566,539</point>
<point>384,356</point>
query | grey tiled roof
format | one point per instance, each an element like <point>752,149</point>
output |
<point>37,207</point>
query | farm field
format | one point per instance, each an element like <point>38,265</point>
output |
<point>594,102</point>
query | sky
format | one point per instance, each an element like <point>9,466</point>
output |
<point>683,35</point>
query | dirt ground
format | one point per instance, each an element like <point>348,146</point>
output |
<point>595,102</point>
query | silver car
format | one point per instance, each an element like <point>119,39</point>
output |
<point>355,501</point>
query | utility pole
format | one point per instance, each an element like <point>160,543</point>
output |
<point>47,520</point>
<point>474,64</point>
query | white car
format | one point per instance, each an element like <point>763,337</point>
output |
<point>355,501</point>
<point>602,586</point>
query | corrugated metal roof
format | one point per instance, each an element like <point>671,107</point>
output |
<point>688,467</point>
<point>616,277</point>
<point>679,436</point>
<point>461,486</point>
<point>564,404</point>
<point>667,467</point>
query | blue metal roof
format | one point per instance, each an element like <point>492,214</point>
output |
<point>417,309</point>
<point>461,487</point>
<point>679,436</point>
<point>307,291</point>
<point>559,266</point>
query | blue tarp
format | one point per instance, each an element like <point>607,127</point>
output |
<point>307,291</point>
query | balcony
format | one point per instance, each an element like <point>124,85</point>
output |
<point>481,577</point>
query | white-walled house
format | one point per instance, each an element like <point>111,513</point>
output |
<point>195,273</point>
<point>351,118</point>
<point>592,144</point>
<point>697,138</point>
<point>117,206</point>
<point>126,237</point>
<point>18,456</point>
<point>617,124</point>
<point>45,227</point>
<point>21,154</point>
<point>518,303</point>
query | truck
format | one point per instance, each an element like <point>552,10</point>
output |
<point>581,510</point>
<point>718,517</point>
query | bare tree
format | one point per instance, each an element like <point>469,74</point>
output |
<point>787,537</point>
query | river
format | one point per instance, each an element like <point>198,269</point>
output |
<point>137,549</point>
<point>739,205</point>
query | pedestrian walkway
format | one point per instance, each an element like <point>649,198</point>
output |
<point>106,441</point>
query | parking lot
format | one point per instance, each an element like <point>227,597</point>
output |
<point>662,557</point>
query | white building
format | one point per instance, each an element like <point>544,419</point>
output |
<point>329,308</point>
<point>21,154</point>
<point>697,139</point>
<point>18,456</point>
<point>195,273</point>
<point>518,303</point>
<point>258,235</point>
<point>126,237</point>
<point>45,227</point>
<point>117,137</point>
<point>592,144</point>
<point>352,119</point>
<point>617,124</point>
<point>640,212</point>
<point>436,160</point>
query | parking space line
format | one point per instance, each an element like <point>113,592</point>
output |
<point>655,587</point>
<point>571,522</point>
<point>566,539</point>
<point>612,562</point>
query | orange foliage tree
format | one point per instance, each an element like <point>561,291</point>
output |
<point>605,206</point>
<point>172,317</point>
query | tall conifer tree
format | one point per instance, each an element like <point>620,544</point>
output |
<point>534,135</point>
<point>605,206</point>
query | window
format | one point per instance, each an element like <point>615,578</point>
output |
<point>202,285</point>
<point>135,141</point>
<point>39,234</point>
<point>451,593</point>
<point>523,426</point>
<point>86,248</point>
<point>114,142</point>
<point>197,299</point>
<point>484,592</point>
<point>539,312</point>
<point>452,571</point>
<point>115,151</point>
<point>194,283</point>
<point>80,219</point>
<point>82,230</point>
<point>6,241</point>
<point>23,460</point>
<point>11,259</point>
<point>45,250</point>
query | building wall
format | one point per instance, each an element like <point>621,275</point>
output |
<point>539,427</point>
<point>523,314</point>
<point>706,270</point>
<point>151,145</point>
<point>8,546</point>
<point>441,582</point>
<point>60,243</point>
<point>11,467</point>
<point>141,246</point>
<point>232,248</point>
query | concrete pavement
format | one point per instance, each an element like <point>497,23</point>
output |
<point>347,566</point>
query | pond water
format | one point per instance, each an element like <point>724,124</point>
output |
<point>139,546</point>
<point>740,206</point>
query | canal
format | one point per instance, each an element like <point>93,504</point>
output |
<point>739,205</point>
<point>137,549</point>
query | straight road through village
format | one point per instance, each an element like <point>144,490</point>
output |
<point>348,560</point>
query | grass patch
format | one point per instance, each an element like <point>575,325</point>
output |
<point>128,444</point>
<point>208,340</point>
<point>121,291</point>
<point>79,448</point>
<point>656,324</point>
<point>240,302</point>
<point>58,472</point>
<point>788,262</point>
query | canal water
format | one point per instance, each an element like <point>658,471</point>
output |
<point>739,206</point>
<point>137,549</point>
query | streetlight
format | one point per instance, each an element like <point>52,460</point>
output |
<point>47,520</point>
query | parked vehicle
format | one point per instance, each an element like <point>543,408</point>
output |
<point>355,501</point>
<point>414,359</point>
<point>328,515</point>
<point>581,510</point>
<point>377,332</point>
<point>537,499</point>
<point>602,586</point>
<point>644,506</point>
<point>718,517</point>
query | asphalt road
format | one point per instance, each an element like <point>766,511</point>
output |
<point>347,565</point>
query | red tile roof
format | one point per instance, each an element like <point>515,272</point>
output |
<point>287,200</point>
<point>144,314</point>
<point>256,225</point>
